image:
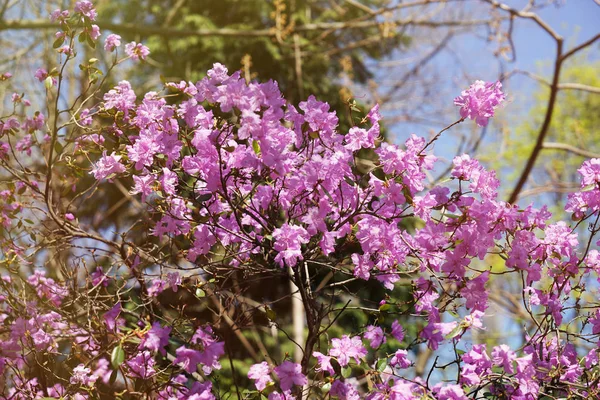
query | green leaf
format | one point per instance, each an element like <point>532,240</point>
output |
<point>58,42</point>
<point>91,42</point>
<point>382,364</point>
<point>384,307</point>
<point>256,147</point>
<point>58,147</point>
<point>113,376</point>
<point>347,372</point>
<point>117,357</point>
<point>200,293</point>
<point>204,197</point>
<point>271,314</point>
<point>455,332</point>
<point>48,83</point>
<point>349,181</point>
<point>326,387</point>
<point>446,180</point>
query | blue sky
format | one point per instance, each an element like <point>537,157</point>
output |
<point>470,56</point>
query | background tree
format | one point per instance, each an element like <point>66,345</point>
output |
<point>571,136</point>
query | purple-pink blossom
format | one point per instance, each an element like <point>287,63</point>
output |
<point>86,8</point>
<point>480,101</point>
<point>290,374</point>
<point>107,166</point>
<point>136,51</point>
<point>111,42</point>
<point>260,373</point>
<point>346,348</point>
<point>288,242</point>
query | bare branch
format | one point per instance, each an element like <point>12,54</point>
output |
<point>148,30</point>
<point>570,149</point>
<point>561,86</point>
<point>417,67</point>
<point>580,47</point>
<point>578,86</point>
<point>527,15</point>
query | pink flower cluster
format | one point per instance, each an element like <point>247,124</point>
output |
<point>239,180</point>
<point>480,101</point>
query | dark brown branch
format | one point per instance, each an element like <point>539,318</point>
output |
<point>580,47</point>
<point>554,87</point>
<point>526,15</point>
<point>544,128</point>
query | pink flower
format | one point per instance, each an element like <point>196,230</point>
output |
<point>82,375</point>
<point>94,32</point>
<point>475,292</point>
<point>480,100</point>
<point>121,98</point>
<point>112,42</point>
<point>451,392</point>
<point>400,359</point>
<point>288,242</point>
<point>157,286</point>
<point>59,16</point>
<point>86,8</point>
<point>99,277</point>
<point>504,356</point>
<point>107,166</point>
<point>346,348</point>
<point>590,172</point>
<point>358,138</point>
<point>143,185</point>
<point>142,365</point>
<point>344,391</point>
<point>188,359</point>
<point>136,51</point>
<point>69,217</point>
<point>24,145</point>
<point>111,318</point>
<point>397,331</point>
<point>41,74</point>
<point>290,374</point>
<point>375,335</point>
<point>324,363</point>
<point>66,50</point>
<point>260,374</point>
<point>84,117</point>
<point>169,181</point>
<point>156,339</point>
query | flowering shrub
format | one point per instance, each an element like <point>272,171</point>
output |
<point>230,178</point>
